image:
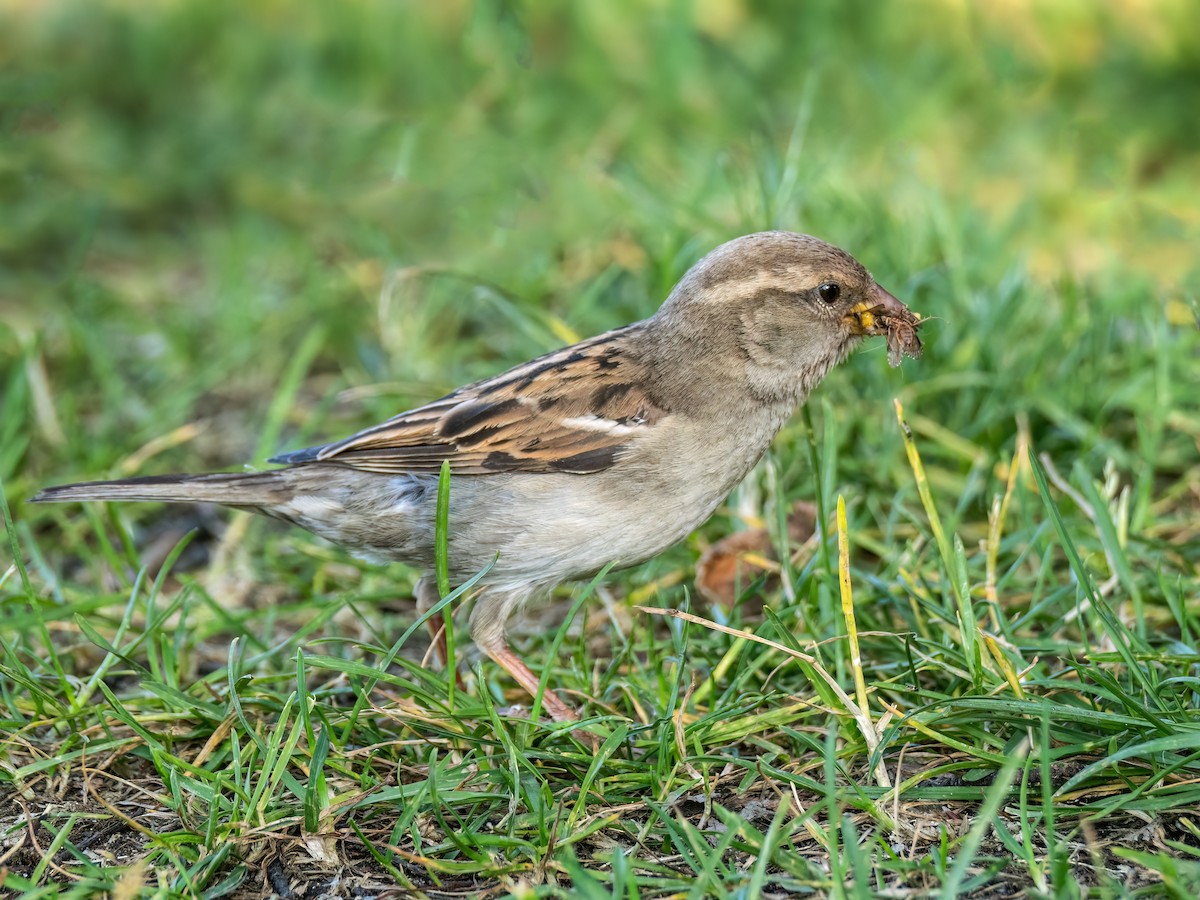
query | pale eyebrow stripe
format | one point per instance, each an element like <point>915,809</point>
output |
<point>742,289</point>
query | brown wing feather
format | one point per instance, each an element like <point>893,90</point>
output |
<point>569,411</point>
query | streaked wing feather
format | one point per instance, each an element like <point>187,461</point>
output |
<point>568,411</point>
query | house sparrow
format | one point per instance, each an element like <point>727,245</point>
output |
<point>609,450</point>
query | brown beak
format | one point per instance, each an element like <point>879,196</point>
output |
<point>862,318</point>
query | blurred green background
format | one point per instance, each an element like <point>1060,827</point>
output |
<point>190,187</point>
<point>228,229</point>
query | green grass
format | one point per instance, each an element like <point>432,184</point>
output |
<point>231,232</point>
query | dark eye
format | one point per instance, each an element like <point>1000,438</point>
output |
<point>829,291</point>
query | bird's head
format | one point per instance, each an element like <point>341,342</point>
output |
<point>785,307</point>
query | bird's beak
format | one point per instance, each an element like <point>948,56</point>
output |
<point>863,317</point>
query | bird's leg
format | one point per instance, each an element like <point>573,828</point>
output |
<point>427,596</point>
<point>513,664</point>
<point>488,619</point>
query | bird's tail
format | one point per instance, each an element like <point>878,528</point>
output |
<point>253,489</point>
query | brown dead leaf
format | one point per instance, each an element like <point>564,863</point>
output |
<point>733,562</point>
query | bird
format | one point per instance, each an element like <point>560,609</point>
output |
<point>602,453</point>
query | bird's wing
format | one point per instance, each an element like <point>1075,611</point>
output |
<point>570,411</point>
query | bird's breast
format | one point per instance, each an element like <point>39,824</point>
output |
<point>547,528</point>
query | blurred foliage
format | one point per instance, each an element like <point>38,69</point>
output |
<point>232,228</point>
<point>445,188</point>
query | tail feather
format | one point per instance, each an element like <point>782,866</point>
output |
<point>229,489</point>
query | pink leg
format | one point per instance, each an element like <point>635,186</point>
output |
<point>515,666</point>
<point>427,596</point>
<point>493,608</point>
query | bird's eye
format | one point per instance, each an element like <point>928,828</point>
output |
<point>829,291</point>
